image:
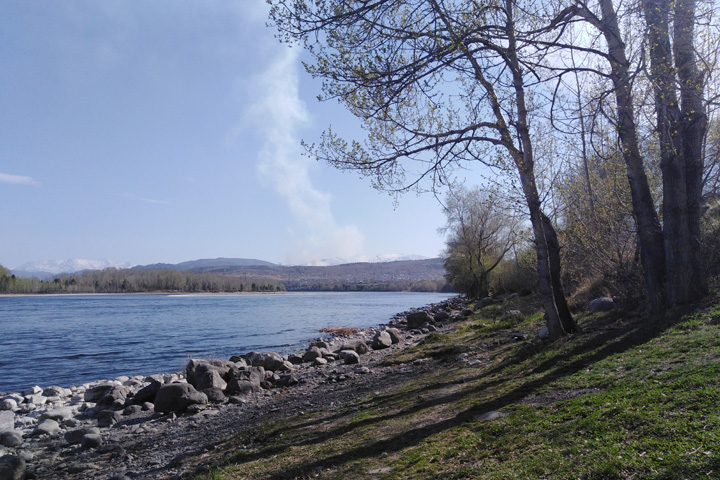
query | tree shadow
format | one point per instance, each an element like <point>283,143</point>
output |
<point>589,349</point>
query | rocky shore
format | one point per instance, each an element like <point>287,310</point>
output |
<point>145,427</point>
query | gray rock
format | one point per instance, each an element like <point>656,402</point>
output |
<point>58,414</point>
<point>12,467</point>
<point>32,391</point>
<point>350,356</point>
<point>74,437</point>
<point>311,354</point>
<point>148,392</point>
<point>11,439</point>
<point>395,335</point>
<point>115,397</point>
<point>268,360</point>
<point>132,409</point>
<point>441,315</point>
<point>287,380</point>
<point>466,312</point>
<point>96,392</point>
<point>358,346</point>
<point>382,340</point>
<point>47,427</point>
<point>209,378</point>
<point>214,395</point>
<point>295,359</point>
<point>417,319</point>
<point>544,333</point>
<point>91,440</point>
<point>176,397</point>
<point>7,420</point>
<point>8,404</point>
<point>319,361</point>
<point>108,418</point>
<point>321,344</point>
<point>56,392</point>
<point>36,399</point>
<point>602,304</point>
<point>484,303</point>
<point>192,398</point>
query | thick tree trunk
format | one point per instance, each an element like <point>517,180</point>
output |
<point>553,246</point>
<point>650,234</point>
<point>681,133</point>
<point>693,129</point>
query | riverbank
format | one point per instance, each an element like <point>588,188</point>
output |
<point>91,430</point>
<point>483,397</point>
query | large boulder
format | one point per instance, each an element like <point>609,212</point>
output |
<point>246,381</point>
<point>176,397</point>
<point>148,392</point>
<point>268,360</point>
<point>311,354</point>
<point>209,378</point>
<point>58,414</point>
<point>350,356</point>
<point>602,304</point>
<point>12,467</point>
<point>196,368</point>
<point>382,340</point>
<point>418,319</point>
<point>96,392</point>
<point>395,335</point>
<point>215,395</point>
<point>47,427</point>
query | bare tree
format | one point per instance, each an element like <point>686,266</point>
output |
<point>481,231</point>
<point>437,84</point>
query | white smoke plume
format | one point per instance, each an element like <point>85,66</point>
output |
<point>279,114</point>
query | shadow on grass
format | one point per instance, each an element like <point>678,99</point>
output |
<point>588,350</point>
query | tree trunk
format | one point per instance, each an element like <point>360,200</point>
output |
<point>650,234</point>
<point>693,129</point>
<point>681,133</point>
<point>559,320</point>
<point>553,246</point>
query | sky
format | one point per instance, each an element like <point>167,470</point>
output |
<point>167,131</point>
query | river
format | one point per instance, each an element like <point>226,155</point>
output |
<point>72,339</point>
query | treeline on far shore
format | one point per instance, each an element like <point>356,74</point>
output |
<point>113,280</point>
<point>427,286</point>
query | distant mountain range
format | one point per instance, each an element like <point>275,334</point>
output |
<point>233,266</point>
<point>48,268</point>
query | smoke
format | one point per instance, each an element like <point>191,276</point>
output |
<point>279,114</point>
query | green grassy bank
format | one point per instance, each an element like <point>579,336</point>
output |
<point>628,398</point>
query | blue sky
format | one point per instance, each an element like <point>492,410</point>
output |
<point>167,131</point>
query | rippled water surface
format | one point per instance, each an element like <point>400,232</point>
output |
<point>73,339</point>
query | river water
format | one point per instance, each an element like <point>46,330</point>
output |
<point>72,339</point>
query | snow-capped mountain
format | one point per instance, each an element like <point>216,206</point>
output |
<point>382,258</point>
<point>45,268</point>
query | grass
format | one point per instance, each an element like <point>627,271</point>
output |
<point>630,398</point>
